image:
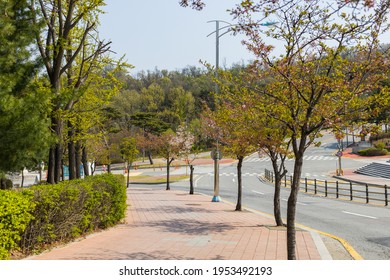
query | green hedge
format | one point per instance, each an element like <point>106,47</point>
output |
<point>373,152</point>
<point>15,215</point>
<point>69,209</point>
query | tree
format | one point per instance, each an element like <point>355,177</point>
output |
<point>150,125</point>
<point>91,116</point>
<point>70,27</point>
<point>129,153</point>
<point>312,82</point>
<point>170,145</point>
<point>274,142</point>
<point>23,99</point>
<point>187,139</point>
<point>271,138</point>
<point>226,124</point>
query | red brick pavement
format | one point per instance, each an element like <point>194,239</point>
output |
<point>172,225</point>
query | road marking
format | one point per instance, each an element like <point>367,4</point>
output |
<point>258,192</point>
<point>196,181</point>
<point>307,157</point>
<point>300,203</point>
<point>360,215</point>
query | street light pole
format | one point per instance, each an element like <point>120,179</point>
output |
<point>216,154</point>
<point>217,36</point>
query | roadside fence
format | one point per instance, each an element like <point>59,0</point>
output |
<point>338,189</point>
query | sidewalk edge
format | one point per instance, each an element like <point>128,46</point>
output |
<point>326,256</point>
<point>355,255</point>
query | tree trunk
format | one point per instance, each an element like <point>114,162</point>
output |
<point>169,161</point>
<point>72,160</point>
<point>71,153</point>
<point>84,159</point>
<point>277,212</point>
<point>22,182</point>
<point>78,160</point>
<point>58,163</point>
<point>150,157</point>
<point>278,181</point>
<point>291,206</point>
<point>40,172</point>
<point>62,171</point>
<point>58,150</point>
<point>191,179</point>
<point>128,174</point>
<point>55,153</point>
<point>239,179</point>
<point>50,166</point>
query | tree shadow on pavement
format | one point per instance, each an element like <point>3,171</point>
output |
<point>189,208</point>
<point>191,227</point>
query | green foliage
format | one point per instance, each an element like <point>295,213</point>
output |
<point>373,152</point>
<point>5,184</point>
<point>149,122</point>
<point>380,146</point>
<point>129,149</point>
<point>23,106</point>
<point>73,208</point>
<point>15,215</point>
<point>24,137</point>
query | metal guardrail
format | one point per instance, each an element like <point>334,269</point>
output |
<point>338,189</point>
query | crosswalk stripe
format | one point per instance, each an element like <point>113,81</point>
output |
<point>234,174</point>
<point>264,159</point>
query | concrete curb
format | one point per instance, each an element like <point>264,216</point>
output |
<point>357,181</point>
<point>355,255</point>
<point>324,252</point>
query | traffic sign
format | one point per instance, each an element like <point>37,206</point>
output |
<point>216,154</point>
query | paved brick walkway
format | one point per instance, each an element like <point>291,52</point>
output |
<point>167,225</point>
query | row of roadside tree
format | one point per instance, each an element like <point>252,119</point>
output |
<point>64,100</point>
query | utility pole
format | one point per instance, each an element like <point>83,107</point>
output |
<point>216,154</point>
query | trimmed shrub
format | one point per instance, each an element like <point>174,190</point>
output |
<point>380,146</point>
<point>15,215</point>
<point>33,219</point>
<point>72,208</point>
<point>373,152</point>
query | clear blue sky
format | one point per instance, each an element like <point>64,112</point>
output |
<point>162,34</point>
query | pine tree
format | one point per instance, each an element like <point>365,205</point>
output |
<point>23,134</point>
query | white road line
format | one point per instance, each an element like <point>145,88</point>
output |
<point>258,192</point>
<point>300,203</point>
<point>196,182</point>
<point>360,215</point>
